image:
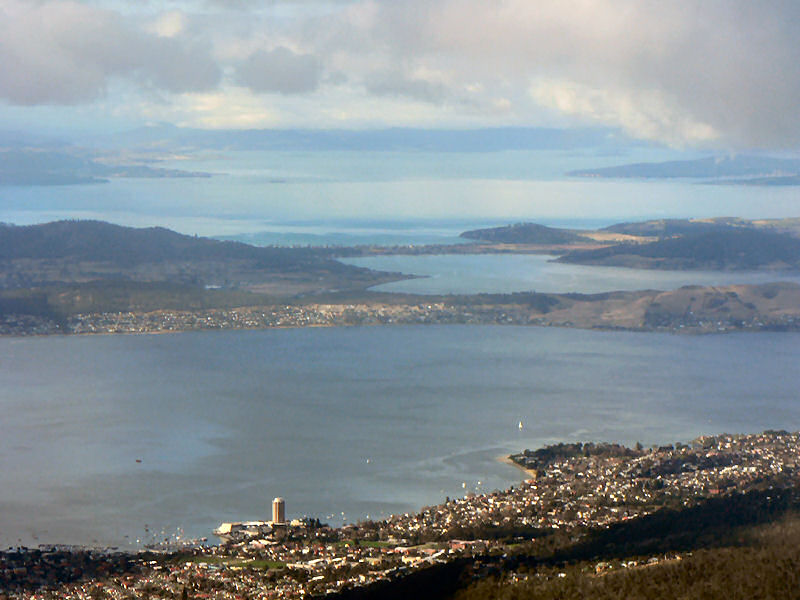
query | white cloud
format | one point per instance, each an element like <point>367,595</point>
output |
<point>169,24</point>
<point>64,52</point>
<point>683,71</point>
<point>646,114</point>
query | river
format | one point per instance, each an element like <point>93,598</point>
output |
<point>344,423</point>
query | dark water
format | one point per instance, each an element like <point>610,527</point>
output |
<point>343,422</point>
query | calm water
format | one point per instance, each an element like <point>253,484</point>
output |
<point>318,196</point>
<point>343,422</point>
<point>485,273</point>
<point>346,423</point>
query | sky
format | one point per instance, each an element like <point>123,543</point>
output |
<point>687,73</point>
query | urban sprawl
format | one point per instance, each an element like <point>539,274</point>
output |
<point>569,487</point>
<point>328,315</point>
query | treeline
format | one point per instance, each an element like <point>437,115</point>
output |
<point>542,457</point>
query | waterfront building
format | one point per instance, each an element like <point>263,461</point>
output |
<point>278,511</point>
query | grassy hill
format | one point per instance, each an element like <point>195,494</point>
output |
<point>728,248</point>
<point>664,228</point>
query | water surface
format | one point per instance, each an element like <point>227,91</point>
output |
<point>342,422</point>
<point>504,273</point>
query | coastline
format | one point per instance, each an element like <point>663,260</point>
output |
<point>506,459</point>
<point>568,496</point>
<point>693,310</point>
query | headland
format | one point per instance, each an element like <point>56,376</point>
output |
<point>90,277</point>
<point>591,508</point>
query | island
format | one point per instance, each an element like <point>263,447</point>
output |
<point>742,169</point>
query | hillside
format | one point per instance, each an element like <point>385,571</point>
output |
<point>70,252</point>
<point>101,241</point>
<point>524,233</point>
<point>137,307</point>
<point>664,228</point>
<point>729,249</point>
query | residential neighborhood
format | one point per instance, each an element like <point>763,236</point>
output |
<point>569,487</point>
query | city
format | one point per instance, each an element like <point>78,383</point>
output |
<point>571,488</point>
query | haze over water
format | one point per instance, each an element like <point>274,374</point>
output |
<point>385,197</point>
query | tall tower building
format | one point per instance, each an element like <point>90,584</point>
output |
<point>278,510</point>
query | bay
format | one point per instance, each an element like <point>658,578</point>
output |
<point>507,273</point>
<point>342,422</point>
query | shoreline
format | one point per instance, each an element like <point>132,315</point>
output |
<point>570,494</point>
<point>686,331</point>
<point>506,459</point>
<point>692,310</point>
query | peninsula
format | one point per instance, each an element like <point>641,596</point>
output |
<point>93,277</point>
<point>597,515</point>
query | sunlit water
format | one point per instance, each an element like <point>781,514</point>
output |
<point>326,194</point>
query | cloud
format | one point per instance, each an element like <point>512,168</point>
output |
<point>169,24</point>
<point>394,83</point>
<point>684,71</point>
<point>643,114</point>
<point>280,70</point>
<point>679,71</point>
<point>64,52</point>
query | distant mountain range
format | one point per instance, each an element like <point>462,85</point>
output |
<point>753,170</point>
<point>394,139</point>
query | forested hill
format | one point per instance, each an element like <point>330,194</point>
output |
<point>524,233</point>
<point>97,241</point>
<point>727,249</point>
<point>80,252</point>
